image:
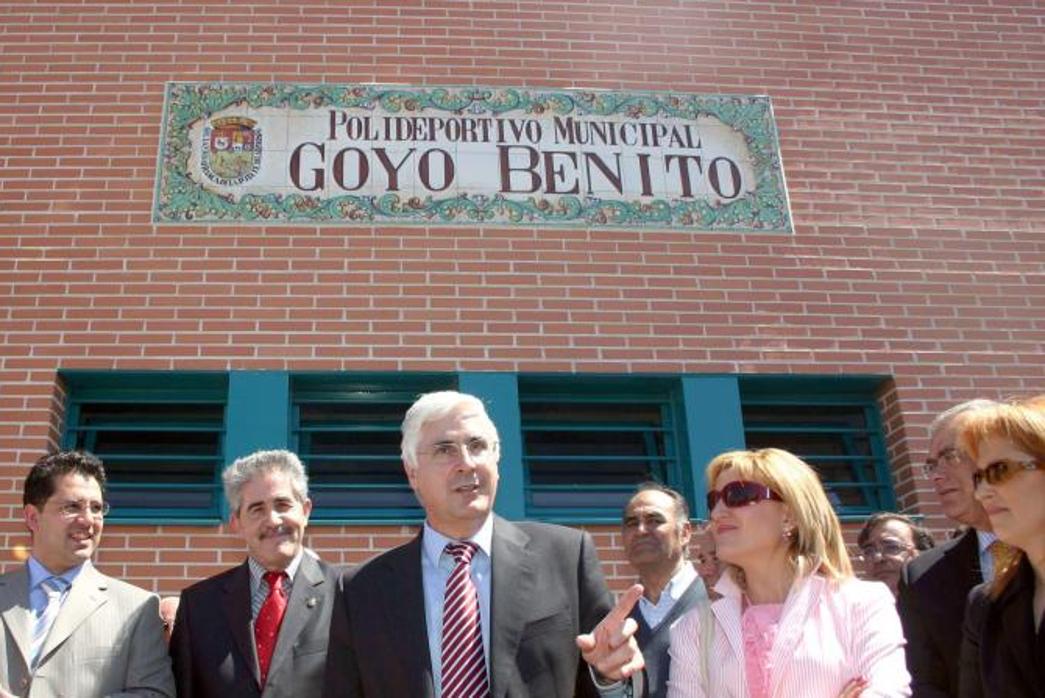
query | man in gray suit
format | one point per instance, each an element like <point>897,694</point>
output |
<point>656,533</point>
<point>261,628</point>
<point>476,606</point>
<point>69,629</point>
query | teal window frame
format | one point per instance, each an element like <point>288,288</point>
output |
<point>704,416</point>
<point>661,393</point>
<point>308,390</point>
<point>790,393</point>
<point>145,389</point>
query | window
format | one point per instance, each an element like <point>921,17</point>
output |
<point>346,431</point>
<point>160,437</point>
<point>573,447</point>
<point>586,444</point>
<point>837,432</point>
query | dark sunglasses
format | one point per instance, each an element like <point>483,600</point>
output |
<point>740,493</point>
<point>1002,470</point>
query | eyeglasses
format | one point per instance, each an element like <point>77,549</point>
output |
<point>740,493</point>
<point>887,548</point>
<point>1001,470</point>
<point>93,510</point>
<point>948,457</point>
<point>475,448</point>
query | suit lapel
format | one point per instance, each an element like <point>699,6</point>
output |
<point>302,605</point>
<point>727,609</point>
<point>405,602</point>
<point>512,579</point>
<point>14,607</point>
<point>1016,625</point>
<point>966,557</point>
<point>86,595</point>
<point>800,602</point>
<point>237,615</point>
<point>693,594</point>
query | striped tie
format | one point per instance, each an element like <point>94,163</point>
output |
<point>53,588</point>
<point>464,667</point>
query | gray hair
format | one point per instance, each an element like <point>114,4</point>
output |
<point>681,506</point>
<point>945,417</point>
<point>243,470</point>
<point>431,406</point>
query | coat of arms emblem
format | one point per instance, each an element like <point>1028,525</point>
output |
<point>231,150</point>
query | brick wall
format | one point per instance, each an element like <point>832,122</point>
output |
<point>911,139</point>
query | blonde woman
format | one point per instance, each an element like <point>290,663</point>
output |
<point>791,619</point>
<point>1003,650</point>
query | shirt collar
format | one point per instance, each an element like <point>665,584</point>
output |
<point>38,573</point>
<point>434,542</point>
<point>681,581</point>
<point>257,570</point>
<point>985,538</point>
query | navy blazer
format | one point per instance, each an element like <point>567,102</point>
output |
<point>1003,654</point>
<point>546,588</point>
<point>212,646</point>
<point>931,600</point>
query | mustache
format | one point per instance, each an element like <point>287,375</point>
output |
<point>281,530</point>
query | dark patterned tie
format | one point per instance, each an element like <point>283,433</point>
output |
<point>464,666</point>
<point>270,617</point>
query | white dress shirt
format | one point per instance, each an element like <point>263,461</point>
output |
<point>655,613</point>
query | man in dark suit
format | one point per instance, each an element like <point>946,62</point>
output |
<point>656,534</point>
<point>475,606</point>
<point>259,629</point>
<point>935,585</point>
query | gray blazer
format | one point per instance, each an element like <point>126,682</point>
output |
<point>546,588</point>
<point>213,641</point>
<point>106,641</point>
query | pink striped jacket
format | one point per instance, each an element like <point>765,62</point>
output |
<point>830,633</point>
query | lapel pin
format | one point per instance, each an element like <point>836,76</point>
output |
<point>311,603</point>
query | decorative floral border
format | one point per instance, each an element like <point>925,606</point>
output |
<point>179,199</point>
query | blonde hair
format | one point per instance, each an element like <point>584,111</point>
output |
<point>817,545</point>
<point>1023,425</point>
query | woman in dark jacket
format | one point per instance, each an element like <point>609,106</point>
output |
<point>1003,650</point>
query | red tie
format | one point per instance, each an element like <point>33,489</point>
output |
<point>270,617</point>
<point>464,667</point>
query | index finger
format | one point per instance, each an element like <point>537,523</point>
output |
<point>625,603</point>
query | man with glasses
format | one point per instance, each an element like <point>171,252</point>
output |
<point>886,542</point>
<point>934,586</point>
<point>261,628</point>
<point>475,606</point>
<point>69,629</point>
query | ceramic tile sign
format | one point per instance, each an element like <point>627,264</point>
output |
<point>373,154</point>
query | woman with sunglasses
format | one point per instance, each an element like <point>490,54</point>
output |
<point>790,618</point>
<point>1003,650</point>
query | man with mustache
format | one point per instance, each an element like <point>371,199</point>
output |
<point>476,606</point>
<point>656,534</point>
<point>934,586</point>
<point>68,629</point>
<point>259,629</point>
